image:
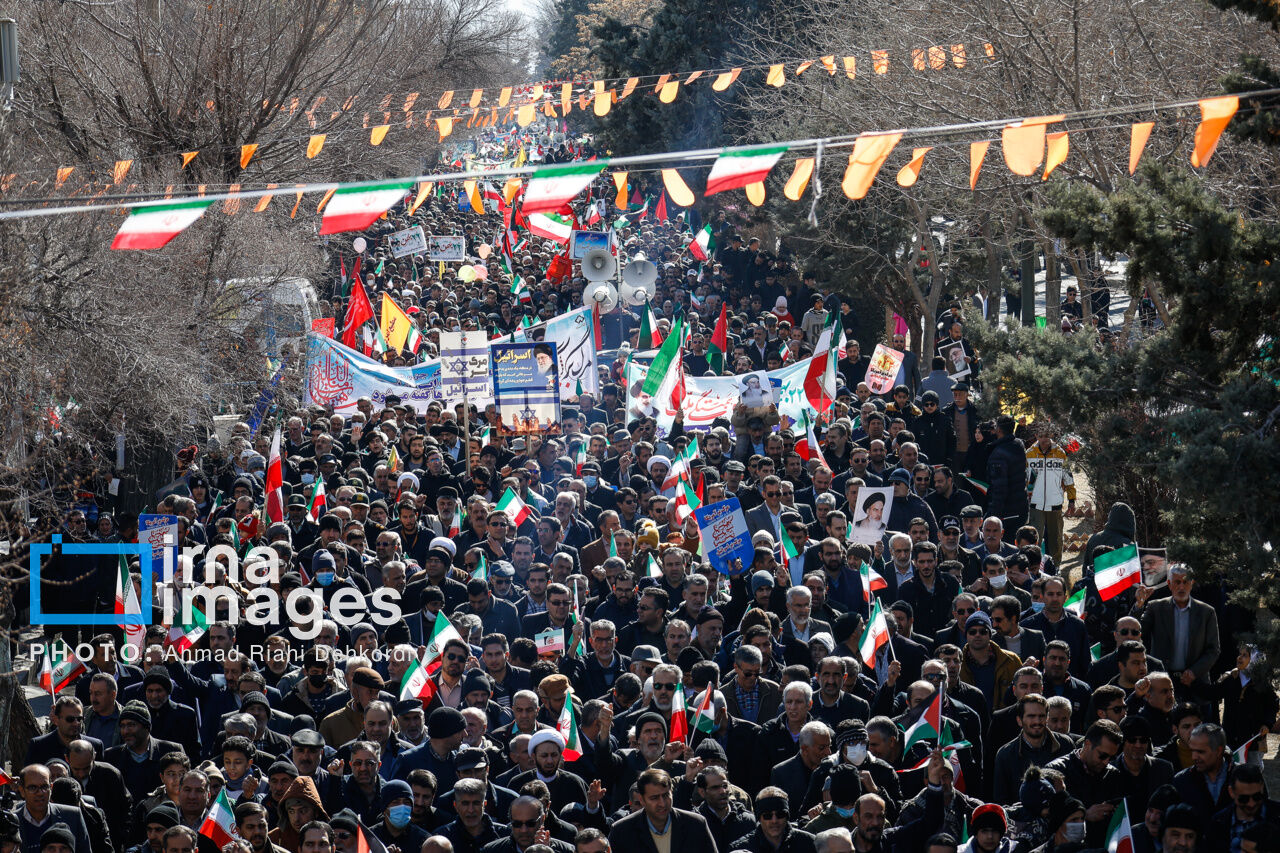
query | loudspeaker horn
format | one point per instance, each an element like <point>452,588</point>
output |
<point>600,293</point>
<point>599,265</point>
<point>639,276</point>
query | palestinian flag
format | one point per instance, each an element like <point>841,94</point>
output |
<point>356,208</point>
<point>316,506</point>
<point>416,683</point>
<point>1075,604</point>
<point>1119,839</point>
<point>702,244</point>
<point>127,605</point>
<point>153,226</point>
<point>736,168</point>
<point>872,582</point>
<point>1116,571</point>
<point>719,344</point>
<point>928,727</point>
<point>678,731</point>
<point>705,719</point>
<point>567,728</point>
<point>552,187</point>
<point>875,635</point>
<point>681,467</point>
<point>220,822</point>
<point>60,666</point>
<point>183,637</point>
<point>650,336</point>
<point>551,226</point>
<point>441,632</point>
<point>515,508</point>
<point>807,446</point>
<point>1252,746</point>
<point>482,570</point>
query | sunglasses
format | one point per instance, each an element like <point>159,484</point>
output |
<point>663,687</point>
<point>1250,798</point>
<point>525,824</point>
<point>455,658</point>
<point>776,815</point>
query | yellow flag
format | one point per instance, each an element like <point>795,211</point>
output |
<point>395,324</point>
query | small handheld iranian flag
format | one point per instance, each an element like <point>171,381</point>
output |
<point>789,552</point>
<point>1250,747</point>
<point>220,823</point>
<point>60,667</point>
<point>807,444</point>
<point>872,582</point>
<point>441,632</point>
<point>702,244</point>
<point>183,637</point>
<point>127,604</point>
<point>705,719</point>
<point>1116,571</point>
<point>650,336</point>
<point>1075,604</point>
<point>1119,839</point>
<point>551,226</point>
<point>681,465</point>
<point>1095,652</point>
<point>154,226</point>
<point>416,684</point>
<point>515,509</point>
<point>317,505</point>
<point>686,499</point>
<point>653,570</point>
<point>455,526</point>
<point>567,728</point>
<point>928,727</point>
<point>482,570</point>
<point>679,728</point>
<point>875,635</point>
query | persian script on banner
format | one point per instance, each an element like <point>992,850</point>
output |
<point>464,365</point>
<point>882,372</point>
<point>338,376</point>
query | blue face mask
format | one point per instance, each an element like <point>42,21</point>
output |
<point>324,578</point>
<point>845,813</point>
<point>1037,606</point>
<point>591,480</point>
<point>399,815</point>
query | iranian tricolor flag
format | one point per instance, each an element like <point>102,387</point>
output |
<point>515,508</point>
<point>832,331</point>
<point>1252,745</point>
<point>820,380</point>
<point>650,336</point>
<point>455,526</point>
<point>807,446</point>
<point>551,226</point>
<point>875,635</point>
<point>152,227</point>
<point>1075,604</point>
<point>580,450</point>
<point>552,187</point>
<point>662,372</point>
<point>60,667</point>
<point>486,436</point>
<point>680,467</point>
<point>678,731</point>
<point>184,636</point>
<point>356,208</point>
<point>482,570</point>
<point>416,683</point>
<point>595,212</point>
<point>220,822</point>
<point>702,244</point>
<point>1119,840</point>
<point>686,499</point>
<point>652,569</point>
<point>567,728</point>
<point>127,604</point>
<point>441,632</point>
<point>872,582</point>
<point>928,727</point>
<point>520,289</point>
<point>1116,571</point>
<point>273,485</point>
<point>739,167</point>
<point>705,719</point>
<point>316,507</point>
<point>719,344</point>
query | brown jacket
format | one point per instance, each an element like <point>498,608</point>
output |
<point>1007,664</point>
<point>304,788</point>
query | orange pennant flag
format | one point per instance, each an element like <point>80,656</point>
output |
<point>409,102</point>
<point>677,188</point>
<point>424,189</point>
<point>476,96</point>
<point>510,188</point>
<point>669,91</point>
<point>880,61</point>
<point>232,204</point>
<point>755,193</point>
<point>776,77</point>
<point>1059,147</point>
<point>597,86</point>
<point>246,153</point>
<point>265,200</point>
<point>444,126</point>
<point>799,179</point>
<point>829,63</point>
<point>910,173</point>
<point>977,153</point>
<point>524,116</point>
<point>1138,135</point>
<point>725,80</point>
<point>694,76</point>
<point>917,58</point>
<point>1023,148</point>
<point>1215,114</point>
<point>603,103</point>
<point>629,87</point>
<point>620,181</point>
<point>294,213</point>
<point>471,122</point>
<point>379,133</point>
<point>868,155</point>
<point>328,195</point>
<point>803,67</point>
<point>583,100</point>
<point>538,91</point>
<point>445,100</point>
<point>549,109</point>
<point>566,97</point>
<point>851,67</point>
<point>314,145</point>
<point>662,81</point>
<point>63,174</point>
<point>473,194</point>
<point>121,169</point>
<point>504,97</point>
<point>937,57</point>
<point>990,50</point>
<point>957,55</point>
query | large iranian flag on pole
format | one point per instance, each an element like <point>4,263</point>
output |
<point>274,482</point>
<point>356,208</point>
<point>154,226</point>
<point>552,226</point>
<point>1119,839</point>
<point>220,823</point>
<point>551,187</point>
<point>127,604</point>
<point>1116,571</point>
<point>740,167</point>
<point>515,509</point>
<point>702,244</point>
<point>664,361</point>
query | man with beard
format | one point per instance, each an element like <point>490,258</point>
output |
<point>345,723</point>
<point>930,594</point>
<point>251,826</point>
<point>138,754</point>
<point>547,748</point>
<point>620,768</point>
<point>302,530</point>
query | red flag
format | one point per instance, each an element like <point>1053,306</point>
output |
<point>661,212</point>
<point>359,312</point>
<point>595,326</point>
<point>274,483</point>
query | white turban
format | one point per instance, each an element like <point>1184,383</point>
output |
<point>545,736</point>
<point>655,459</point>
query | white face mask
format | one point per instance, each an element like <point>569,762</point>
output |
<point>998,581</point>
<point>856,753</point>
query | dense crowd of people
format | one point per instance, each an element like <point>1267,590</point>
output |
<point>706,712</point>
